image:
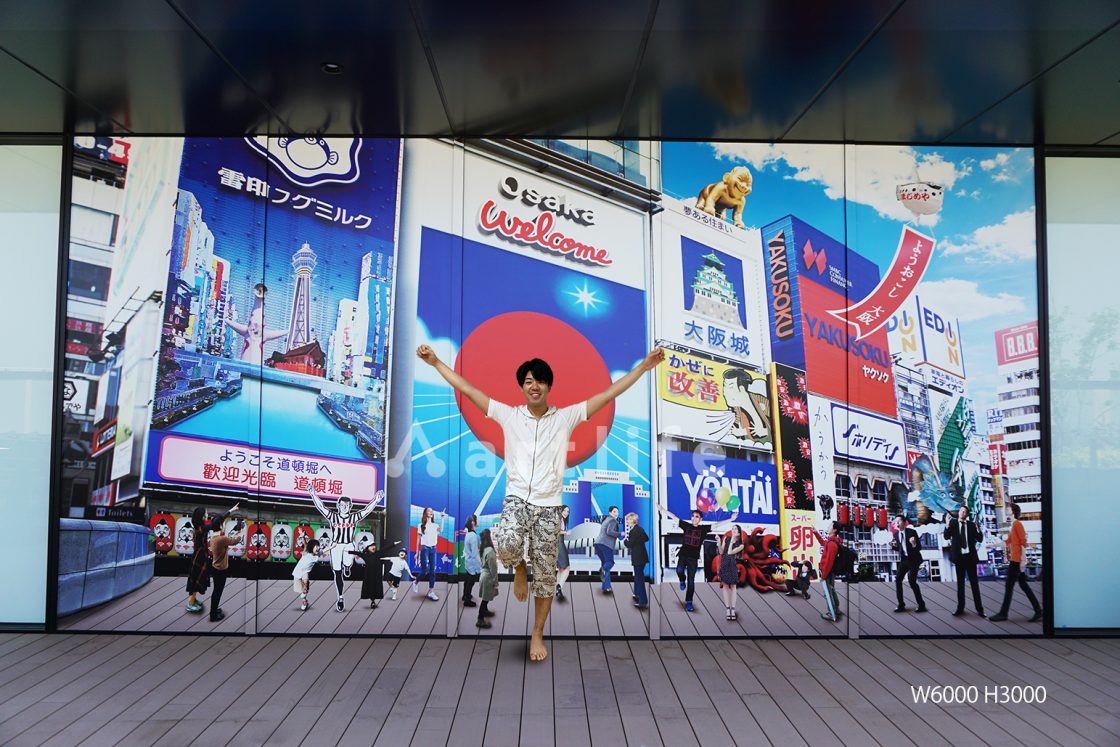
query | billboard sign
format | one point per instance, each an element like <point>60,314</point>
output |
<point>865,437</point>
<point>709,401</point>
<point>1017,344</point>
<point>840,366</point>
<point>717,485</point>
<point>274,344</point>
<point>712,296</point>
<point>920,334</point>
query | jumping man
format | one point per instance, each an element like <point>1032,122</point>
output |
<point>537,441</point>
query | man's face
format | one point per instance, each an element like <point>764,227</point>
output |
<point>614,513</point>
<point>536,392</point>
<point>963,514</point>
<point>344,506</point>
<point>696,519</point>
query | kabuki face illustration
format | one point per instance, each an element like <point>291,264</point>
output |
<point>747,400</point>
<point>281,545</point>
<point>161,531</point>
<point>184,536</point>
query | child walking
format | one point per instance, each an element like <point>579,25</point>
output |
<point>301,575</point>
<point>399,570</point>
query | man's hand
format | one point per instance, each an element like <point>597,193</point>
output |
<point>426,354</point>
<point>653,360</point>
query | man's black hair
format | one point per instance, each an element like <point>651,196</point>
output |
<point>541,371</point>
<point>1016,509</point>
<point>612,508</point>
<point>697,512</point>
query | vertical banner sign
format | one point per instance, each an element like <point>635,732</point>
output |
<point>794,461</point>
<point>910,262</point>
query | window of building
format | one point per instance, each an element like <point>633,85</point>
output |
<point>879,491</point>
<point>93,226</point>
<point>863,490</point>
<point>88,281</point>
<point>843,487</point>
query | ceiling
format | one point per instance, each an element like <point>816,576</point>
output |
<point>953,71</point>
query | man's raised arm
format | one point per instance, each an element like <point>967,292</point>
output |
<point>315,499</point>
<point>457,382</point>
<point>600,400</point>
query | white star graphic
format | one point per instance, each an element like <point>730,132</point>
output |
<point>586,298</point>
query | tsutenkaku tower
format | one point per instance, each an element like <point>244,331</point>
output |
<point>299,326</point>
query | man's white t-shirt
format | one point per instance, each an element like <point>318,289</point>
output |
<point>537,449</point>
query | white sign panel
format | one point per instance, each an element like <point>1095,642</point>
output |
<point>920,334</point>
<point>523,212</point>
<point>711,286</point>
<point>75,395</point>
<point>864,437</point>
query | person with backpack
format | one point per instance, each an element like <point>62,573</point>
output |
<point>835,556</point>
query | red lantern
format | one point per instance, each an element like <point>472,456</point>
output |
<point>842,513</point>
<point>882,518</point>
<point>163,526</point>
<point>257,543</point>
<point>869,517</point>
<point>857,515</point>
<point>304,534</point>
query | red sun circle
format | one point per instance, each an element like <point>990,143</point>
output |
<point>489,359</point>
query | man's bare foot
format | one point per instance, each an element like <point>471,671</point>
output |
<point>521,583</point>
<point>537,649</point>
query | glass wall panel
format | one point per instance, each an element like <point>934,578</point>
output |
<point>1082,236</point>
<point>29,191</point>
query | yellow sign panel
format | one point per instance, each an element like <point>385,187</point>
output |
<point>703,384</point>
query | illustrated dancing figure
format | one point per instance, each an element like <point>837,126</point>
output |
<point>343,521</point>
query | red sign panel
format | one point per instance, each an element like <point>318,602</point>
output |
<point>911,259</point>
<point>838,364</point>
<point>1017,343</point>
<point>997,453</point>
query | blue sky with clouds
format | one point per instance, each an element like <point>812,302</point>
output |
<point>983,271</point>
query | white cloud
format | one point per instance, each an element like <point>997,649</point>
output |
<point>1001,159</point>
<point>1012,239</point>
<point>873,174</point>
<point>967,301</point>
<point>1009,166</point>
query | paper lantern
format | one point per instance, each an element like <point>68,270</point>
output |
<point>280,545</point>
<point>257,543</point>
<point>237,550</point>
<point>184,535</point>
<point>163,526</point>
<point>303,534</point>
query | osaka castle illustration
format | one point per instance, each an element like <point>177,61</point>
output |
<point>713,296</point>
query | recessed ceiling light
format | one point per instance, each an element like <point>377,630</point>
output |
<point>331,68</point>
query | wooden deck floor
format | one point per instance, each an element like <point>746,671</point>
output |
<point>271,607</point>
<point>82,689</point>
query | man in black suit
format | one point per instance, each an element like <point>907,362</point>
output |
<point>909,561</point>
<point>964,535</point>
